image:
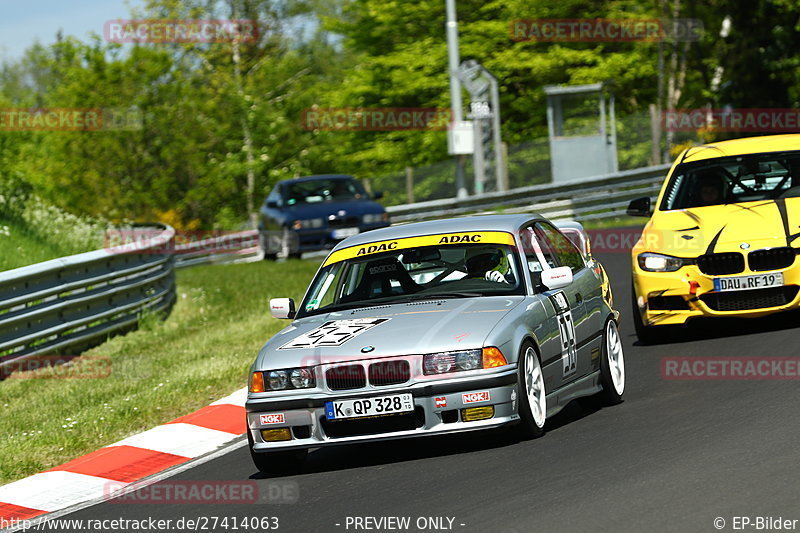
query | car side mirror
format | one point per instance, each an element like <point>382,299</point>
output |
<point>272,204</point>
<point>640,207</point>
<point>557,278</point>
<point>282,308</point>
<point>377,195</point>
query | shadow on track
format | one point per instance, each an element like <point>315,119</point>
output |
<point>700,329</point>
<point>360,455</point>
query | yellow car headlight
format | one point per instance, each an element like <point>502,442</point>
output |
<point>659,263</point>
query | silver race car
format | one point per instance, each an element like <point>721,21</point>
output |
<point>436,327</point>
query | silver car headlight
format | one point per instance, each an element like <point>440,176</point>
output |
<point>444,362</point>
<point>301,378</point>
<point>292,378</point>
<point>652,262</point>
<point>278,380</point>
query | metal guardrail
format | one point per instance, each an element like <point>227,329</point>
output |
<point>588,199</point>
<point>238,247</point>
<point>66,305</point>
<point>69,304</point>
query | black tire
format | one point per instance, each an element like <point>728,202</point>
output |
<point>528,427</point>
<point>287,245</point>
<point>646,334</point>
<point>269,255</point>
<point>277,463</point>
<point>610,395</point>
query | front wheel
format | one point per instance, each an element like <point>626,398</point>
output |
<point>277,463</point>
<point>532,394</point>
<point>267,246</point>
<point>612,366</point>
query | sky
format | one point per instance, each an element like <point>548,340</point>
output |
<point>22,22</point>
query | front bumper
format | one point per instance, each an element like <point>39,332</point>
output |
<point>310,429</point>
<point>669,298</point>
<point>323,239</point>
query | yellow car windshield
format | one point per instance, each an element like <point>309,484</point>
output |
<point>740,179</point>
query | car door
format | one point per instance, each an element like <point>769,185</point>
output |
<point>556,333</point>
<point>570,303</point>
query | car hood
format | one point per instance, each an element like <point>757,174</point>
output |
<point>721,228</point>
<point>325,209</point>
<point>401,329</point>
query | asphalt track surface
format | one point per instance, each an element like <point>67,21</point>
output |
<point>673,457</point>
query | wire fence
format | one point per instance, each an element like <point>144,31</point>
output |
<point>528,164</point>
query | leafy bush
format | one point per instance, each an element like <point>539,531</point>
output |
<point>45,222</point>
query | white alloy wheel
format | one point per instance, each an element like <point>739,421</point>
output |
<point>616,360</point>
<point>534,388</point>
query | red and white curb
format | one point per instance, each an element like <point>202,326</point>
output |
<point>95,475</point>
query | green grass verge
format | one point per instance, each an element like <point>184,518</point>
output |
<point>164,370</point>
<point>616,222</point>
<point>19,247</point>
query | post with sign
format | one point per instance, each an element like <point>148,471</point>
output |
<point>485,114</point>
<point>455,93</point>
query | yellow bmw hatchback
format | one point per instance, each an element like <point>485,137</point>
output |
<point>722,238</point>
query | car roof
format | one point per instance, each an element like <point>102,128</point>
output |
<point>316,177</point>
<point>748,145</point>
<point>509,223</point>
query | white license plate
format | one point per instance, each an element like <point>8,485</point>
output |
<point>343,233</point>
<point>384,405</point>
<point>745,283</point>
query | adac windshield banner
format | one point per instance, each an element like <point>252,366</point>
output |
<point>441,239</point>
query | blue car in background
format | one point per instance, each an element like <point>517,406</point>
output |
<point>315,213</point>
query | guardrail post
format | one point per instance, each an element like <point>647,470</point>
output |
<point>410,185</point>
<point>502,184</point>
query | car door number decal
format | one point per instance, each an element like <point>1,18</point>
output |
<point>333,333</point>
<point>566,328</point>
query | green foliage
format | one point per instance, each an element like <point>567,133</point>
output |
<point>214,114</point>
<point>20,247</point>
<point>32,230</point>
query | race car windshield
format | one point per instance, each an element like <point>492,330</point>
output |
<point>733,180</point>
<point>449,271</point>
<point>323,190</point>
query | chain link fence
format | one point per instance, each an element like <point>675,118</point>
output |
<point>528,164</point>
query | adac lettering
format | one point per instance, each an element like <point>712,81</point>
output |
<point>375,248</point>
<point>455,239</point>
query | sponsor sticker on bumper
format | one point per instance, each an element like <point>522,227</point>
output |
<point>274,418</point>
<point>475,397</point>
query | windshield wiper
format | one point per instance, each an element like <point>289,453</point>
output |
<point>440,296</point>
<point>401,299</point>
<point>335,308</point>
